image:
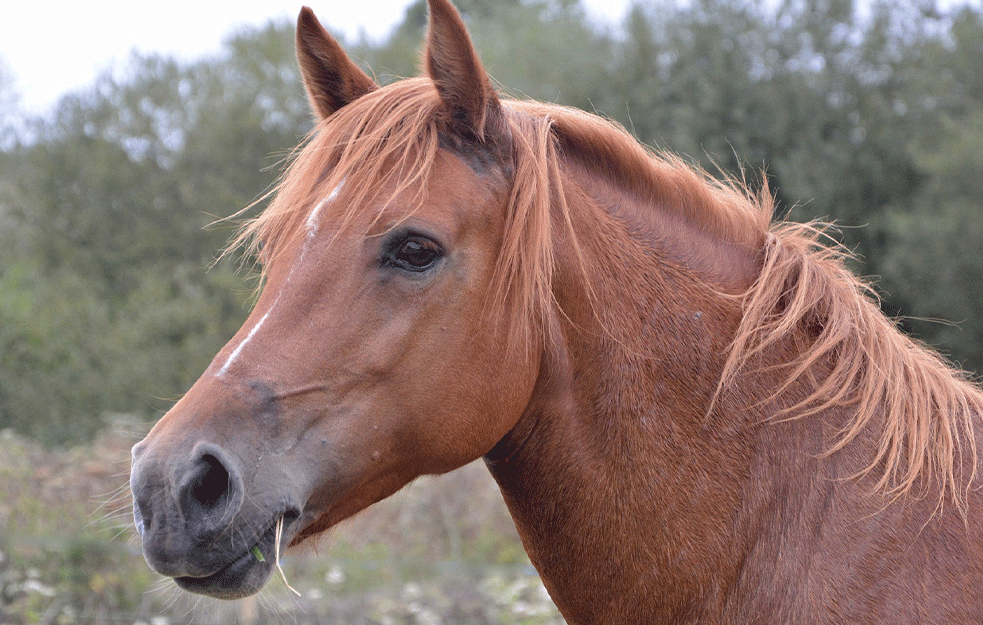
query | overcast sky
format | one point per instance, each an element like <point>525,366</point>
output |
<point>58,45</point>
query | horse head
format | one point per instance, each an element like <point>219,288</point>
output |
<point>358,368</point>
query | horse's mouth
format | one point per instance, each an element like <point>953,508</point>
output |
<point>249,571</point>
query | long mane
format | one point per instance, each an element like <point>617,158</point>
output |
<point>388,140</point>
<point>926,409</point>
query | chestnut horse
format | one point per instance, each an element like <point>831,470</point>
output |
<point>694,415</point>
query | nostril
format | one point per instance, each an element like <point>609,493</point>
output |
<point>210,487</point>
<point>210,492</point>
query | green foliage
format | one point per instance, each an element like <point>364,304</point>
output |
<point>935,253</point>
<point>107,300</point>
<point>51,368</point>
<point>9,117</point>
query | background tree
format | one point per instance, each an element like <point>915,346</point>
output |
<point>933,238</point>
<point>107,301</point>
<point>8,105</point>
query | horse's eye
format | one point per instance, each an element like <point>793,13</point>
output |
<point>413,253</point>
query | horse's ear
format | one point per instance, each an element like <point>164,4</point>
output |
<point>331,78</point>
<point>471,105</point>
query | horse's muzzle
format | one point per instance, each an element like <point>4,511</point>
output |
<point>190,512</point>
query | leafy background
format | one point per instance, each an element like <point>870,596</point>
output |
<point>867,114</point>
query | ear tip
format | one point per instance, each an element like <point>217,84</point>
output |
<point>446,30</point>
<point>440,5</point>
<point>306,17</point>
<point>310,31</point>
<point>442,10</point>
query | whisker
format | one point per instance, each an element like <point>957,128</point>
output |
<point>279,533</point>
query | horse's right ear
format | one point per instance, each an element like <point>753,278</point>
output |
<point>331,78</point>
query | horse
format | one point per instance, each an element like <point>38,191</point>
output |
<point>695,412</point>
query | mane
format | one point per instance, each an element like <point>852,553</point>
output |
<point>726,208</point>
<point>387,142</point>
<point>925,408</point>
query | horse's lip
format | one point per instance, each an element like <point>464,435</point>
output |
<point>246,573</point>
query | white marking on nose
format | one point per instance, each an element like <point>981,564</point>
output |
<point>311,231</point>
<point>235,353</point>
<point>312,218</point>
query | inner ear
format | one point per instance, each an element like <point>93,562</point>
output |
<point>471,107</point>
<point>331,78</point>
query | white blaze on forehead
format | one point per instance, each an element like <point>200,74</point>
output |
<point>312,218</point>
<point>312,224</point>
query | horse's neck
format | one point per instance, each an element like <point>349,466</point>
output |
<point>617,476</point>
<point>639,504</point>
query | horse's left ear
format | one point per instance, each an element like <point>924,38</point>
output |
<point>472,108</point>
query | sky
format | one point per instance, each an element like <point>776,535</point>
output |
<point>57,46</point>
